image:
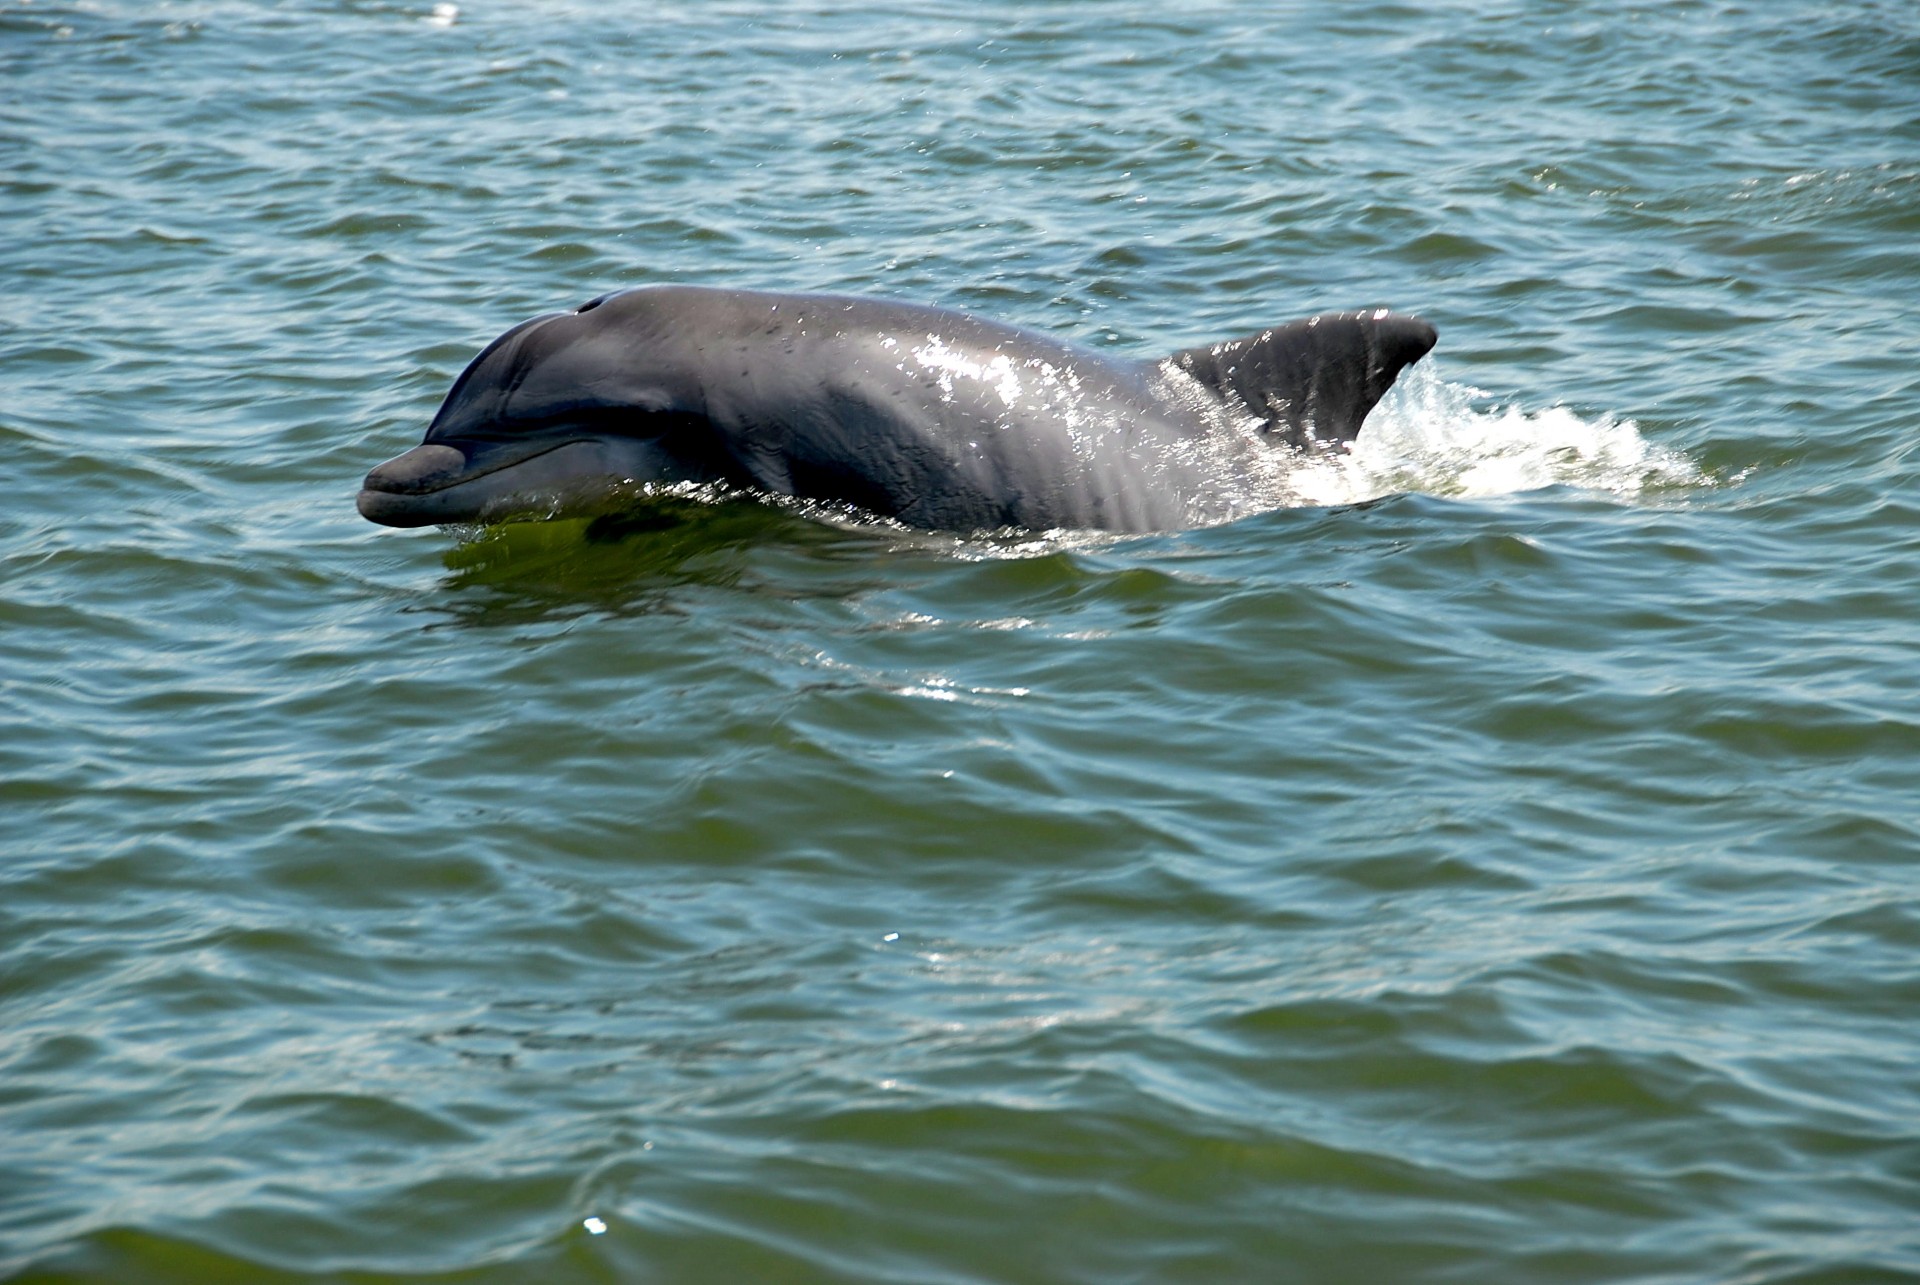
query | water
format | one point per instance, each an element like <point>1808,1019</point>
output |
<point>1510,878</point>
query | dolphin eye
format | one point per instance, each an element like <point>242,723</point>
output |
<point>593,303</point>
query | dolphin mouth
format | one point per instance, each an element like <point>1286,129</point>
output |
<point>438,483</point>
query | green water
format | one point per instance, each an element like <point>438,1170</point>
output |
<point>1502,865</point>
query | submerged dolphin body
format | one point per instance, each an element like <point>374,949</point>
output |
<point>938,419</point>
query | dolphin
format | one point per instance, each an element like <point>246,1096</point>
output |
<point>937,419</point>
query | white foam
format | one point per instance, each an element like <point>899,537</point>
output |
<point>1439,438</point>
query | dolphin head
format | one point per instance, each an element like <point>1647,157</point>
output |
<point>561,414</point>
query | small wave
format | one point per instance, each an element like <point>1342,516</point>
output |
<point>1443,438</point>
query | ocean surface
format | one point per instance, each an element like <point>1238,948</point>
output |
<point>1500,862</point>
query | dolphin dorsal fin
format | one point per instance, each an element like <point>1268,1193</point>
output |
<point>1313,380</point>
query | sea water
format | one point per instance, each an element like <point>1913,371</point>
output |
<point>1492,857</point>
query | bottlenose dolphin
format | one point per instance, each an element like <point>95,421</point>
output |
<point>938,419</point>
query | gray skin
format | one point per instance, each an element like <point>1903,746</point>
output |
<point>938,419</point>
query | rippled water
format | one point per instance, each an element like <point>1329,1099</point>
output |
<point>1516,877</point>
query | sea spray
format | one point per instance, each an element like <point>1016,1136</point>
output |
<point>1441,438</point>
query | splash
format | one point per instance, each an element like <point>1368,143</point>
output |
<point>1440,438</point>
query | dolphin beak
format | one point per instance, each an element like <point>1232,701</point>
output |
<point>424,468</point>
<point>398,492</point>
<point>466,481</point>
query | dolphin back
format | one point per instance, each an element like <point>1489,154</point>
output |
<point>1312,380</point>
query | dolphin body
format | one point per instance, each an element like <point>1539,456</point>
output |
<point>938,419</point>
